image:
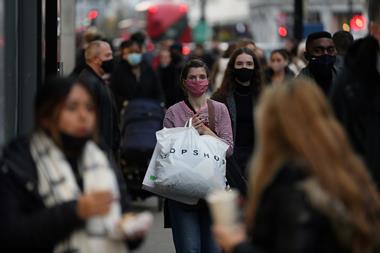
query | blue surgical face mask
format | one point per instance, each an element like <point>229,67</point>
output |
<point>134,58</point>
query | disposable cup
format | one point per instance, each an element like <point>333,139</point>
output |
<point>223,207</point>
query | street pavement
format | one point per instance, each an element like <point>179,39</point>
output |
<point>158,240</point>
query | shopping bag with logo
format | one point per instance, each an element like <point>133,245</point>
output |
<point>186,166</point>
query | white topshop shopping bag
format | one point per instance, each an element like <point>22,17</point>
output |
<point>186,166</point>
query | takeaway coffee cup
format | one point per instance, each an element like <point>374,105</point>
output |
<point>224,207</point>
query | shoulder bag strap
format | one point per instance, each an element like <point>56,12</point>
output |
<point>211,115</point>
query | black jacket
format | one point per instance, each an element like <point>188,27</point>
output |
<point>125,85</point>
<point>170,80</point>
<point>235,174</point>
<point>326,88</point>
<point>287,222</point>
<point>26,224</point>
<point>355,99</point>
<point>106,107</point>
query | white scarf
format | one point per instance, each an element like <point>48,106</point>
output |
<point>57,184</point>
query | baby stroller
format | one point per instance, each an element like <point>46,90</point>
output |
<point>140,119</point>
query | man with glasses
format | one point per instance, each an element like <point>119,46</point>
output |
<point>355,96</point>
<point>321,55</point>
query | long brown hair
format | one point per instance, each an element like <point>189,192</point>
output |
<point>294,121</point>
<point>228,83</point>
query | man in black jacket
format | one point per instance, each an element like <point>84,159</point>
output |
<point>356,94</point>
<point>321,55</point>
<point>99,61</point>
<point>134,78</point>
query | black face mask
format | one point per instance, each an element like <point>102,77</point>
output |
<point>72,144</point>
<point>322,68</point>
<point>107,66</point>
<point>243,75</point>
<point>323,61</point>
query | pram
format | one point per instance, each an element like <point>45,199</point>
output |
<point>140,119</point>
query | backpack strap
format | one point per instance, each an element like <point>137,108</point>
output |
<point>211,114</point>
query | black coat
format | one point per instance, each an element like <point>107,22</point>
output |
<point>235,172</point>
<point>26,224</point>
<point>106,107</point>
<point>287,222</point>
<point>355,99</point>
<point>170,80</point>
<point>326,88</point>
<point>125,85</point>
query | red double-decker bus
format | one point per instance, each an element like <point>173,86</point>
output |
<point>168,20</point>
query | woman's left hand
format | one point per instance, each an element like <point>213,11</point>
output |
<point>201,127</point>
<point>228,238</point>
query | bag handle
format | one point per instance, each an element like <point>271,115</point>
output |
<point>189,122</point>
<point>211,115</point>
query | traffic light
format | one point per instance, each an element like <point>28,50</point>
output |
<point>358,23</point>
<point>92,14</point>
<point>282,31</point>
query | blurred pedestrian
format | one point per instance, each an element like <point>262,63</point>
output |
<point>199,52</point>
<point>59,190</point>
<point>80,60</point>
<point>239,91</point>
<point>342,41</point>
<point>169,78</point>
<point>99,62</point>
<point>308,192</point>
<point>246,43</point>
<point>134,78</point>
<point>219,68</point>
<point>296,52</point>
<point>191,224</point>
<point>356,94</point>
<point>278,70</point>
<point>123,50</point>
<point>177,55</point>
<point>321,55</point>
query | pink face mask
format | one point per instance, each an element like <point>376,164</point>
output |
<point>196,87</point>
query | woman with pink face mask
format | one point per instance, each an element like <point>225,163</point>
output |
<point>278,70</point>
<point>191,224</point>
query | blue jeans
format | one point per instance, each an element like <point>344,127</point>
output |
<point>191,228</point>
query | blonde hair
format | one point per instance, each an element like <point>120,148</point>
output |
<point>294,121</point>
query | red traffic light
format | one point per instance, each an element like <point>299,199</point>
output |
<point>93,14</point>
<point>282,31</point>
<point>358,22</point>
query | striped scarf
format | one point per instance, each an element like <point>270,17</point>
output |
<point>57,184</point>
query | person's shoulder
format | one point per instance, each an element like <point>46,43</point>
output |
<point>17,152</point>
<point>305,72</point>
<point>216,103</point>
<point>177,106</point>
<point>290,173</point>
<point>87,76</point>
<point>17,145</point>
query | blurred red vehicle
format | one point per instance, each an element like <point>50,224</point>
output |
<point>168,20</point>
